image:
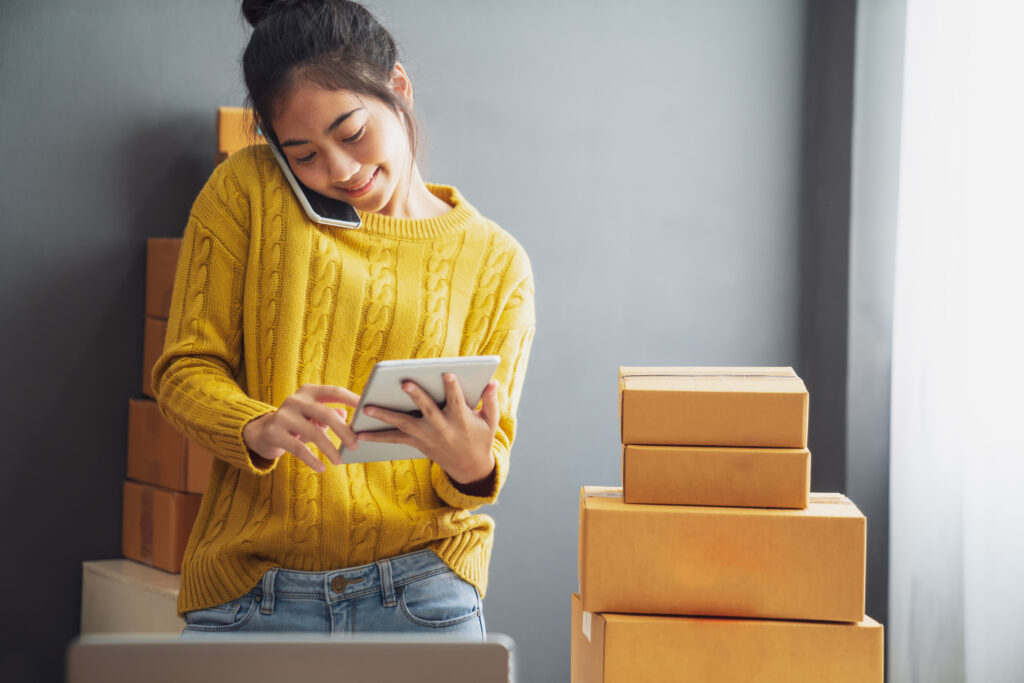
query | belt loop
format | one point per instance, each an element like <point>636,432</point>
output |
<point>267,606</point>
<point>387,586</point>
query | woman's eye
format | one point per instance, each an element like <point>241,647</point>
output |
<point>355,137</point>
<point>306,159</point>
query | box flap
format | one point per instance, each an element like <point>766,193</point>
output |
<point>136,574</point>
<point>747,379</point>
<point>818,505</point>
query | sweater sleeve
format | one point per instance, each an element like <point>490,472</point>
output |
<point>195,380</point>
<point>512,339</point>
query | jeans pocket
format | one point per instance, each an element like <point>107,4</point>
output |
<point>439,601</point>
<point>231,615</point>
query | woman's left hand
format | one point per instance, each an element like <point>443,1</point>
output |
<point>456,437</point>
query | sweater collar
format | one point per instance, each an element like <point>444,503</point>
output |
<point>462,212</point>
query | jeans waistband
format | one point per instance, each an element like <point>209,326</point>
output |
<point>352,582</point>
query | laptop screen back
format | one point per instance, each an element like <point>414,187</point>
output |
<point>276,658</point>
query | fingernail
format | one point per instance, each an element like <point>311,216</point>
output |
<point>407,386</point>
<point>369,411</point>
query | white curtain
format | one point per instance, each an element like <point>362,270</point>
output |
<point>956,580</point>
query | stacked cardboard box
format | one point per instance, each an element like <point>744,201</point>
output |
<point>124,596</point>
<point>165,473</point>
<point>234,131</point>
<point>752,578</point>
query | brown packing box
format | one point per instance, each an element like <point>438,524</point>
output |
<point>685,406</point>
<point>156,524</point>
<point>159,454</point>
<point>153,338</point>
<point>234,131</point>
<point>626,648</point>
<point>722,561</point>
<point>161,265</point>
<point>699,475</point>
<point>125,596</point>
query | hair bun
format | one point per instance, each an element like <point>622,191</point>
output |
<point>255,10</point>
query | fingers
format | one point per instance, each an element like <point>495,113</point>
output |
<point>406,423</point>
<point>300,451</point>
<point>390,436</point>
<point>276,437</point>
<point>301,428</point>
<point>320,413</point>
<point>490,410</point>
<point>422,400</point>
<point>305,414</point>
<point>454,398</point>
<point>328,393</point>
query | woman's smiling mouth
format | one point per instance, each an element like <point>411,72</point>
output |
<point>364,188</point>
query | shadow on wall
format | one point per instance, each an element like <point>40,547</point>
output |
<point>166,164</point>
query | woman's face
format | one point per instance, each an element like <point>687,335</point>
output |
<point>347,146</point>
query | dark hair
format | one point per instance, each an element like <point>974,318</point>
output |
<point>334,44</point>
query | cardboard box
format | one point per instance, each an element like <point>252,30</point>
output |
<point>699,475</point>
<point>124,596</point>
<point>719,561</point>
<point>753,407</point>
<point>626,648</point>
<point>156,524</point>
<point>161,266</point>
<point>234,131</point>
<point>161,455</point>
<point>154,335</point>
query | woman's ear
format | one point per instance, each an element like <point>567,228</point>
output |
<point>401,84</point>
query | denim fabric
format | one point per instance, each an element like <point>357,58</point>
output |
<point>416,592</point>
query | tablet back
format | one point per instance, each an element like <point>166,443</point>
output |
<point>384,388</point>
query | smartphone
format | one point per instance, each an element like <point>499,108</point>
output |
<point>384,389</point>
<point>319,208</point>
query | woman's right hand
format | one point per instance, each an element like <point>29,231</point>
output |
<point>303,418</point>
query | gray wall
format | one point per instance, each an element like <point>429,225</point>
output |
<point>649,159</point>
<point>824,233</point>
<point>877,112</point>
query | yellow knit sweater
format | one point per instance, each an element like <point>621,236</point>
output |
<point>265,301</point>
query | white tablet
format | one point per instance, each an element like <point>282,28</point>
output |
<point>384,389</point>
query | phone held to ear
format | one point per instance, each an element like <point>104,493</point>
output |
<point>319,208</point>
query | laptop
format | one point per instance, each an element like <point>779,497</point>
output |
<point>281,657</point>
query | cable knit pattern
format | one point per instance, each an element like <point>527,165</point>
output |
<point>265,301</point>
<point>406,494</point>
<point>486,294</point>
<point>436,299</point>
<point>307,530</point>
<point>271,270</point>
<point>381,290</point>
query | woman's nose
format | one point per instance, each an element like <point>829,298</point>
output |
<point>341,168</point>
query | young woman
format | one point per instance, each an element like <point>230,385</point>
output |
<point>275,317</point>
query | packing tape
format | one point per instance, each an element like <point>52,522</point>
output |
<point>833,498</point>
<point>615,493</point>
<point>146,525</point>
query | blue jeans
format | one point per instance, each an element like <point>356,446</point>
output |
<point>416,592</point>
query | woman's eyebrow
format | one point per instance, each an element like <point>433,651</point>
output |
<point>337,122</point>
